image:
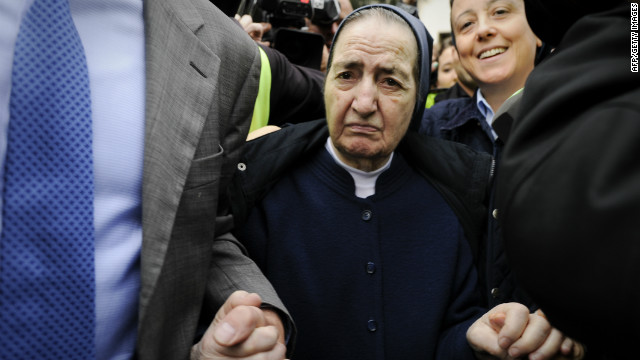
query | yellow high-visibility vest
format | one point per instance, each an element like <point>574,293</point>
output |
<point>261,106</point>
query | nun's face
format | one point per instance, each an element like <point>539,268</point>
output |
<point>494,41</point>
<point>370,91</point>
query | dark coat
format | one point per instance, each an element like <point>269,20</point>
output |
<point>461,175</point>
<point>460,120</point>
<point>569,185</point>
<point>389,276</point>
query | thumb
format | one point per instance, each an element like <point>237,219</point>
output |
<point>237,318</point>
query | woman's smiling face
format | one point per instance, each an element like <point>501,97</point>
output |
<point>494,41</point>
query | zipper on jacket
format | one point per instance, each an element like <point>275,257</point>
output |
<point>492,171</point>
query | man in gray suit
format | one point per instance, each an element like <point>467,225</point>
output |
<point>173,85</point>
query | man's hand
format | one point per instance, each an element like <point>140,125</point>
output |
<point>241,330</point>
<point>509,331</point>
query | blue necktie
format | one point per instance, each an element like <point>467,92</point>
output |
<point>47,284</point>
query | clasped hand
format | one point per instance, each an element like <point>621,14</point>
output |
<point>242,330</point>
<point>509,331</point>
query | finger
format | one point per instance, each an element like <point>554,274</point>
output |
<point>277,352</point>
<point>483,339</point>
<point>245,20</point>
<point>238,298</point>
<point>539,312</point>
<point>534,335</point>
<point>238,325</point>
<point>578,351</point>
<point>273,319</point>
<point>567,346</point>
<point>572,349</point>
<point>515,322</point>
<point>262,340</point>
<point>255,31</point>
<point>550,347</point>
<point>497,320</point>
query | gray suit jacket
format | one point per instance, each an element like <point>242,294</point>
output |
<point>201,83</point>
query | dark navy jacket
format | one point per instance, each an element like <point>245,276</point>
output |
<point>461,175</point>
<point>459,180</point>
<point>386,277</point>
<point>460,120</point>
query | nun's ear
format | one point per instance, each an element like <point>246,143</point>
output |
<point>543,50</point>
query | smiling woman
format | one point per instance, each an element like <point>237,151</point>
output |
<point>497,48</point>
<point>496,45</point>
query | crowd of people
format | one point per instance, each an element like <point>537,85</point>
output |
<point>174,187</point>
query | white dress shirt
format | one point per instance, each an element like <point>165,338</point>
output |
<point>486,111</point>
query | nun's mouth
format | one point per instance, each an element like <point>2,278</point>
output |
<point>492,52</point>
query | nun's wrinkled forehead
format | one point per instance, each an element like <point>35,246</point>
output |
<point>358,15</point>
<point>386,16</point>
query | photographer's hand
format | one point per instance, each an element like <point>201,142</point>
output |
<point>255,30</point>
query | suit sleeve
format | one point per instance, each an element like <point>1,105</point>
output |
<point>233,270</point>
<point>228,122</point>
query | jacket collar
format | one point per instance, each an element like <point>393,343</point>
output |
<point>469,112</point>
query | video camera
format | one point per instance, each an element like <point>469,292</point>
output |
<point>287,19</point>
<point>319,11</point>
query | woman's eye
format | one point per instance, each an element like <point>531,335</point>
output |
<point>391,82</point>
<point>463,27</point>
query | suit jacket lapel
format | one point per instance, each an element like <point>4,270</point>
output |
<point>178,97</point>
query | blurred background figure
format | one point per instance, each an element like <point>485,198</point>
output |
<point>450,79</point>
<point>301,30</point>
<point>327,28</point>
<point>410,6</point>
<point>256,30</point>
<point>445,74</point>
<point>290,90</point>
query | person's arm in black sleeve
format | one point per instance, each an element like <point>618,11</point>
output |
<point>296,91</point>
